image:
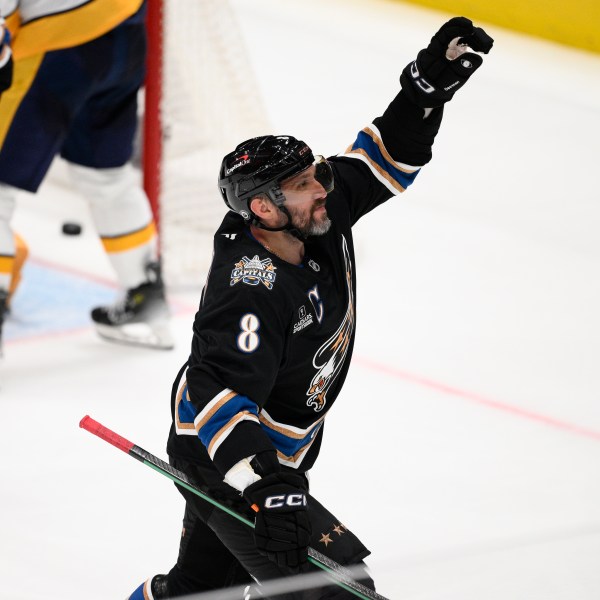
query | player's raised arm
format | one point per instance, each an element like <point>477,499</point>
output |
<point>399,142</point>
<point>428,82</point>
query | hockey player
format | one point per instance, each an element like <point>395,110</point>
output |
<point>78,68</point>
<point>275,329</point>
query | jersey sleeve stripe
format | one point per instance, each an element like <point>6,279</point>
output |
<point>185,412</point>
<point>291,443</point>
<point>296,460</point>
<point>221,435</point>
<point>220,416</point>
<point>288,447</point>
<point>374,133</point>
<point>287,430</point>
<point>369,148</point>
<point>216,421</point>
<point>212,407</point>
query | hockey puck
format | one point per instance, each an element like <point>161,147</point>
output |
<point>71,228</point>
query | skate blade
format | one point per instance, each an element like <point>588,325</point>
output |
<point>155,335</point>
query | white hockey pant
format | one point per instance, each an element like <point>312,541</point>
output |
<point>120,210</point>
<point>8,196</point>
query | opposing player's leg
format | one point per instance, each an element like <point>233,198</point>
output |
<point>7,249</point>
<point>98,148</point>
<point>91,120</point>
<point>122,216</point>
<point>3,309</point>
<point>18,259</point>
<point>31,131</point>
<point>21,254</point>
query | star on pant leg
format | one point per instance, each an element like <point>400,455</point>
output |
<point>326,539</point>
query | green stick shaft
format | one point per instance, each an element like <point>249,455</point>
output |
<point>338,574</point>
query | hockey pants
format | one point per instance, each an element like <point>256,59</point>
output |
<point>217,550</point>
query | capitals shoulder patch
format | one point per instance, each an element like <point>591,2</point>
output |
<point>253,271</point>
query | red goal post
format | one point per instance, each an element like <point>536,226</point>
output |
<point>152,132</point>
<point>198,81</point>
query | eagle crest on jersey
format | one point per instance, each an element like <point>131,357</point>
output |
<point>254,271</point>
<point>331,355</point>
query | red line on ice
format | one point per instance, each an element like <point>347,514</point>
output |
<point>482,400</point>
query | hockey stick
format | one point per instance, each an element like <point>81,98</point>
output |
<point>339,574</point>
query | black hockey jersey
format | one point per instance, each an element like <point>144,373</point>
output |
<point>272,341</point>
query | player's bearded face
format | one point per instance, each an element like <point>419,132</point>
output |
<point>305,200</point>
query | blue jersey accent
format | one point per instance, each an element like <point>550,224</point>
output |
<point>187,411</point>
<point>365,142</point>
<point>289,446</point>
<point>236,404</point>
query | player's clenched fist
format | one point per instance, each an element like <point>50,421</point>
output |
<point>446,64</point>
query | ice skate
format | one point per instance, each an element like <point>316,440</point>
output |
<point>141,318</point>
<point>156,588</point>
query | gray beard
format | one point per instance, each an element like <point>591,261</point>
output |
<point>315,229</point>
<point>312,228</point>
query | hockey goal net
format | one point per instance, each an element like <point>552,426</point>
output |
<point>201,99</point>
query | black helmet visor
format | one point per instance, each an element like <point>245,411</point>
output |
<point>323,173</point>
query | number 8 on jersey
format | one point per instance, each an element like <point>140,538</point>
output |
<point>248,340</point>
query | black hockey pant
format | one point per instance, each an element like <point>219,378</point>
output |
<point>218,551</point>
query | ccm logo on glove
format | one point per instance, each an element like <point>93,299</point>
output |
<point>282,527</point>
<point>285,500</point>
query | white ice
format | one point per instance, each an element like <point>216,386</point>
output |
<point>465,448</point>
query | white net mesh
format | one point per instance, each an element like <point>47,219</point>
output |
<point>210,103</point>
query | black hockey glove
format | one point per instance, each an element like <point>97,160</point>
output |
<point>282,528</point>
<point>445,65</point>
